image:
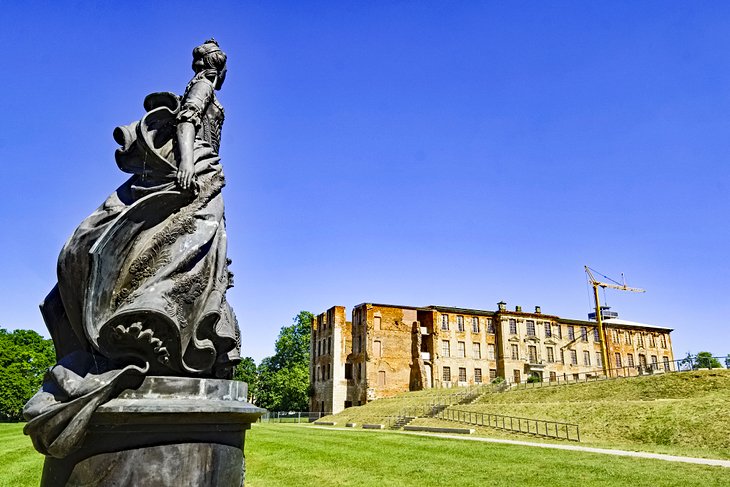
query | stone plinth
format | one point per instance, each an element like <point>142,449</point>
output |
<point>171,431</point>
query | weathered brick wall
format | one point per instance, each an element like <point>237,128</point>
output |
<point>393,349</point>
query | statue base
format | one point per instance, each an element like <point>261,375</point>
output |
<point>171,431</point>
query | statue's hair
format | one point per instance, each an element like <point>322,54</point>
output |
<point>211,55</point>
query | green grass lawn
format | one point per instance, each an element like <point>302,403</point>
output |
<point>20,464</point>
<point>300,456</point>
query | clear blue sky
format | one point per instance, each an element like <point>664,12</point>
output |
<point>452,153</point>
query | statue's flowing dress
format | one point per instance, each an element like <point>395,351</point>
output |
<point>142,281</point>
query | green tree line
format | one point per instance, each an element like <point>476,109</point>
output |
<point>281,382</point>
<point>24,358</point>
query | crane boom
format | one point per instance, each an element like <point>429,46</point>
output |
<point>599,318</point>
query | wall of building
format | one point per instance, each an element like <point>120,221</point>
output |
<point>389,349</point>
<point>329,343</point>
<point>462,351</point>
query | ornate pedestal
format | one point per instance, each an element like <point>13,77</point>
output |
<point>171,431</point>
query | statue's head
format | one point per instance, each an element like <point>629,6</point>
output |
<point>208,55</point>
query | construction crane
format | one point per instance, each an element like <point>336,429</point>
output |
<point>615,285</point>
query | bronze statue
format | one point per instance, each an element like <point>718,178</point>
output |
<point>142,281</point>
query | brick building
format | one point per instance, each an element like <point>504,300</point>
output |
<point>388,349</point>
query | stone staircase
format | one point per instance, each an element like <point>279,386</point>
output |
<point>401,422</point>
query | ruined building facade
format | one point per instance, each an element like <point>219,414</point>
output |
<point>387,349</point>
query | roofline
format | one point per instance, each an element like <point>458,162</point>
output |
<point>481,312</point>
<point>382,305</point>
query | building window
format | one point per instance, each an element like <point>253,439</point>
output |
<point>614,335</point>
<point>548,330</point>
<point>381,377</point>
<point>596,335</point>
<point>586,358</point>
<point>618,361</point>
<point>478,376</point>
<point>654,362</point>
<point>447,374</point>
<point>550,354</point>
<point>515,352</point>
<point>461,349</point>
<point>444,322</point>
<point>377,348</point>
<point>642,360</point>
<point>627,338</point>
<point>376,323</point>
<point>599,359</point>
<point>571,332</point>
<point>651,340</point>
<point>562,356</point>
<point>490,326</point>
<point>630,359</point>
<point>460,323</point>
<point>532,351</point>
<point>574,357</point>
<point>446,348</point>
<point>583,334</point>
<point>462,374</point>
<point>516,376</point>
<point>359,343</point>
<point>666,363</point>
<point>640,339</point>
<point>553,376</point>
<point>329,345</point>
<point>492,374</point>
<point>348,371</point>
<point>475,325</point>
<point>559,331</point>
<point>663,339</point>
<point>476,350</point>
<point>530,328</point>
<point>490,351</point>
<point>513,326</point>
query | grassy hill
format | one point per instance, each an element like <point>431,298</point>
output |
<point>681,413</point>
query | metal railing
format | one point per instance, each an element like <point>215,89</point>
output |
<point>516,424</point>
<point>291,417</point>
<point>679,365</point>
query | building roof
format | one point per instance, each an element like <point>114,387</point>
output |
<point>381,305</point>
<point>481,312</point>
<point>633,324</point>
<point>466,311</point>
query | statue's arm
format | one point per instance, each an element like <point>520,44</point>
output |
<point>189,119</point>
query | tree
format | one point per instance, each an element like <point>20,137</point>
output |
<point>24,358</point>
<point>705,360</point>
<point>283,379</point>
<point>246,371</point>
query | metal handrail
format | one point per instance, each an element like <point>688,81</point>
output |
<point>550,429</point>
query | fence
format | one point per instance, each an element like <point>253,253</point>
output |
<point>642,369</point>
<point>291,417</point>
<point>536,427</point>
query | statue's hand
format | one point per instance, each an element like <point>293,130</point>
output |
<point>185,175</point>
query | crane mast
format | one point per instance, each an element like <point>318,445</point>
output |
<point>595,283</point>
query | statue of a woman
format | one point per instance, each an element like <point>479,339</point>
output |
<point>142,281</point>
